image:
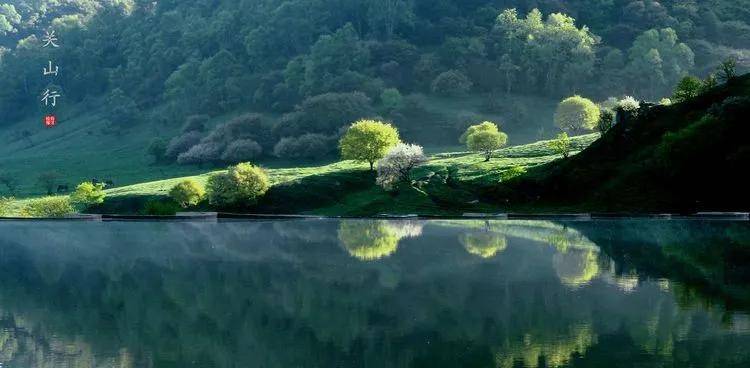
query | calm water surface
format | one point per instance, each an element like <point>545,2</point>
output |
<point>363,293</point>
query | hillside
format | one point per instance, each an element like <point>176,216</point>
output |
<point>686,157</point>
<point>449,184</point>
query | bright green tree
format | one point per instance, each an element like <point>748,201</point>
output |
<point>87,194</point>
<point>561,145</point>
<point>484,138</point>
<point>575,114</point>
<point>187,193</point>
<point>368,141</point>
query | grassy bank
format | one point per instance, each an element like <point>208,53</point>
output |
<point>451,183</point>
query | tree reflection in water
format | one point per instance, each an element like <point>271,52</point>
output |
<point>324,293</point>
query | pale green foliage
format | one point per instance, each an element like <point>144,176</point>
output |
<point>658,60</point>
<point>368,141</point>
<point>665,102</point>
<point>87,194</point>
<point>728,70</point>
<point>512,172</point>
<point>5,205</point>
<point>606,120</point>
<point>575,114</point>
<point>241,185</point>
<point>48,207</point>
<point>561,145</point>
<point>485,138</point>
<point>187,193</point>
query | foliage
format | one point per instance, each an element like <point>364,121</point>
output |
<point>187,193</point>
<point>368,141</point>
<point>240,185</point>
<point>160,208</point>
<point>5,205</point>
<point>202,153</point>
<point>195,123</point>
<point>483,244</point>
<point>485,138</point>
<point>561,145</point>
<point>368,240</point>
<point>241,150</point>
<point>629,104</point>
<point>512,172</point>
<point>391,99</point>
<point>688,88</point>
<point>48,207</point>
<point>398,163</point>
<point>307,146</point>
<point>728,70</point>
<point>451,83</point>
<point>576,114</point>
<point>324,114</point>
<point>181,144</point>
<point>87,194</point>
<point>606,120</point>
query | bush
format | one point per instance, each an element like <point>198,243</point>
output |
<point>688,88</point>
<point>160,208</point>
<point>485,138</point>
<point>187,193</point>
<point>87,194</point>
<point>5,205</point>
<point>629,104</point>
<point>308,146</point>
<point>201,153</point>
<point>397,164</point>
<point>576,114</point>
<point>451,83</point>
<point>606,120</point>
<point>240,185</point>
<point>241,150</point>
<point>561,145</point>
<point>48,207</point>
<point>368,141</point>
<point>181,144</point>
<point>391,99</point>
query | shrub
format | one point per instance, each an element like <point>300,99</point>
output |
<point>561,145</point>
<point>87,194</point>
<point>308,146</point>
<point>606,120</point>
<point>451,83</point>
<point>241,150</point>
<point>485,138</point>
<point>240,185</point>
<point>368,141</point>
<point>246,126</point>
<point>54,207</point>
<point>5,205</point>
<point>195,123</point>
<point>187,193</point>
<point>397,164</point>
<point>688,88</point>
<point>728,70</point>
<point>160,208</point>
<point>201,153</point>
<point>158,149</point>
<point>665,102</point>
<point>629,104</point>
<point>511,173</point>
<point>575,114</point>
<point>182,144</point>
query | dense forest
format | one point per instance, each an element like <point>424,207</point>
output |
<point>310,67</point>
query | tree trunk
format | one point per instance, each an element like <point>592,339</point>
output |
<point>372,165</point>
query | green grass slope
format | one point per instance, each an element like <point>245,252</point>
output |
<point>687,157</point>
<point>451,183</point>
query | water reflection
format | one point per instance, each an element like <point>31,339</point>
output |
<point>358,293</point>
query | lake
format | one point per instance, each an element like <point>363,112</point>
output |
<point>375,293</point>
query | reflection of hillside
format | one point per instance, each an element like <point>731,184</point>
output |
<point>252,294</point>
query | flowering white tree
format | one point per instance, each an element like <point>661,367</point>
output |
<point>395,167</point>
